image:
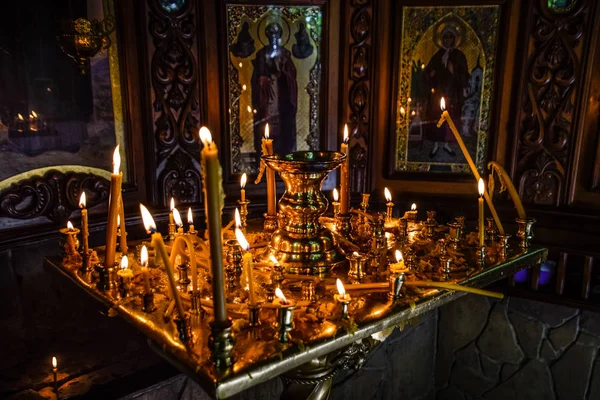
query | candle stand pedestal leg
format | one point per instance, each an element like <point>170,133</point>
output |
<point>221,344</point>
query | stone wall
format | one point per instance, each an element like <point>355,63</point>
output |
<point>516,349</point>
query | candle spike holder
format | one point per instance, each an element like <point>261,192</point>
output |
<point>301,244</point>
<point>221,343</point>
<point>244,214</point>
<point>233,270</point>
<point>285,321</point>
<point>502,245</point>
<point>344,302</point>
<point>183,279</point>
<point>253,315</point>
<point>106,276</point>
<point>184,327</point>
<point>364,204</point>
<point>396,281</point>
<point>357,266</point>
<point>455,234</point>
<point>196,307</point>
<point>525,231</point>
<point>491,233</point>
<point>148,303</point>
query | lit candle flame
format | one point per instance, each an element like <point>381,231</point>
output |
<point>267,130</point>
<point>20,117</point>
<point>244,86</point>
<point>398,256</point>
<point>177,218</point>
<point>118,220</point>
<point>443,104</point>
<point>346,136</point>
<point>54,362</point>
<point>341,289</point>
<point>148,220</point>
<point>124,262</point>
<point>239,235</point>
<point>69,225</point>
<point>82,200</point>
<point>144,256</point>
<point>280,296</point>
<point>172,204</point>
<point>388,195</point>
<point>205,136</point>
<point>116,161</point>
<point>238,219</point>
<point>413,207</point>
<point>33,114</point>
<point>243,181</point>
<point>402,110</point>
<point>190,216</point>
<point>249,109</point>
<point>355,254</point>
<point>481,187</point>
<point>336,195</point>
<point>273,259</point>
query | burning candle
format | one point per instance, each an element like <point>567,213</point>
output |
<point>345,175</point>
<point>20,123</point>
<point>446,117</point>
<point>113,210</point>
<point>178,221</point>
<point>145,272</point>
<point>190,219</point>
<point>238,219</point>
<point>285,316</point>
<point>126,274</point>
<point>243,187</point>
<point>159,247</point>
<point>389,204</point>
<point>70,240</point>
<point>248,265</point>
<point>481,188</point>
<point>271,194</point>
<point>213,201</point>
<point>342,297</point>
<point>84,224</point>
<point>335,203</point>
<point>171,207</point>
<point>55,373</point>
<point>398,266</point>
<point>281,298</point>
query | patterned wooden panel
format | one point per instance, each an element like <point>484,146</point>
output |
<point>360,30</point>
<point>176,106</point>
<point>547,120</point>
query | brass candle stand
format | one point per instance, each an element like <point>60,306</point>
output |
<point>358,263</point>
<point>244,214</point>
<point>524,231</point>
<point>285,320</point>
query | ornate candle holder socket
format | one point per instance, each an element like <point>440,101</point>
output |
<point>524,231</point>
<point>364,204</point>
<point>183,280</point>
<point>106,277</point>
<point>445,264</point>
<point>148,300</point>
<point>455,234</point>
<point>68,243</point>
<point>244,214</point>
<point>491,232</point>
<point>395,281</point>
<point>285,321</point>
<point>502,245</point>
<point>253,316</point>
<point>342,224</point>
<point>270,223</point>
<point>344,302</point>
<point>196,306</point>
<point>403,228</point>
<point>431,216</point>
<point>308,291</point>
<point>221,343</point>
<point>233,257</point>
<point>481,256</point>
<point>184,327</point>
<point>358,263</point>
